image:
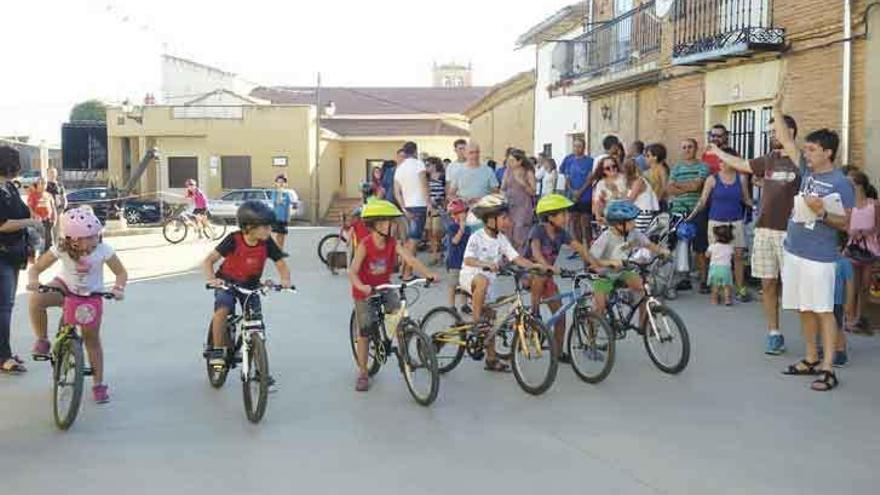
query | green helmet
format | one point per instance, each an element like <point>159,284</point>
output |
<point>552,203</point>
<point>379,209</point>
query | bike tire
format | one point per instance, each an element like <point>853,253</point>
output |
<point>373,364</point>
<point>537,338</point>
<point>217,228</point>
<point>174,230</point>
<point>590,338</point>
<point>330,243</point>
<point>661,310</point>
<point>69,358</point>
<point>255,384</point>
<point>215,378</point>
<point>448,360</point>
<point>416,353</point>
<point>504,340</point>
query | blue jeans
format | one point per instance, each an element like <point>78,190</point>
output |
<point>417,222</point>
<point>8,284</point>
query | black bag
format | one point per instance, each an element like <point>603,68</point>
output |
<point>858,251</point>
<point>14,247</point>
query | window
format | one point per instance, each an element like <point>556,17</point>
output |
<point>181,168</point>
<point>764,145</point>
<point>234,196</point>
<point>742,132</point>
<point>235,172</point>
<point>256,195</point>
<point>548,150</point>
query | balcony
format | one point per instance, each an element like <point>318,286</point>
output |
<point>707,31</point>
<point>619,49</point>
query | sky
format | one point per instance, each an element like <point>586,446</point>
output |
<point>64,51</point>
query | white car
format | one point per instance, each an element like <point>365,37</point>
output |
<point>227,205</point>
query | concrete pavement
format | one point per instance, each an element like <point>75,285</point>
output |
<point>729,424</point>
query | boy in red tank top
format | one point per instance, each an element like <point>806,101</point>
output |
<point>374,262</point>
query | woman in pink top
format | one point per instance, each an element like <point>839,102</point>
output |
<point>200,205</point>
<point>864,225</point>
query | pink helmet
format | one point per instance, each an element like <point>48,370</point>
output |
<point>190,183</point>
<point>81,222</point>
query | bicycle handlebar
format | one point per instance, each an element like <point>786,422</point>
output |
<point>45,289</point>
<point>404,285</point>
<point>263,289</point>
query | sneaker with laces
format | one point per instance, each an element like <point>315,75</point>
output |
<point>775,345</point>
<point>41,349</point>
<point>101,394</point>
<point>218,357</point>
<point>363,383</point>
<point>840,359</point>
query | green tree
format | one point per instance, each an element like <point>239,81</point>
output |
<point>89,110</point>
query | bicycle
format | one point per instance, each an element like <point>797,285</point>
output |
<point>656,331</point>
<point>176,227</point>
<point>414,351</point>
<point>590,342</point>
<point>68,364</point>
<point>519,337</point>
<point>331,245</point>
<point>247,334</point>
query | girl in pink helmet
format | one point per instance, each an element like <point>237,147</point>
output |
<point>200,206</point>
<point>83,255</point>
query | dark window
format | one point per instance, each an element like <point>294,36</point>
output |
<point>84,146</point>
<point>766,114</point>
<point>742,132</point>
<point>255,196</point>
<point>235,172</point>
<point>181,168</point>
<point>548,150</point>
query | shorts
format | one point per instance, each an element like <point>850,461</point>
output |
<point>365,315</point>
<point>279,228</point>
<point>200,211</point>
<point>228,299</point>
<point>550,288</point>
<point>739,232</point>
<point>435,223</point>
<point>807,285</point>
<point>466,282</point>
<point>582,208</point>
<point>767,253</point>
<point>720,276</point>
<point>417,223</point>
<point>452,276</point>
<point>606,285</point>
<point>701,242</point>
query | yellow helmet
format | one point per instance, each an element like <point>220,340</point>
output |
<point>378,209</point>
<point>552,203</point>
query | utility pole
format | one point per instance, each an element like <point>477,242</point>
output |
<point>317,186</point>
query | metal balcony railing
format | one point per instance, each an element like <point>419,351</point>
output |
<point>616,44</point>
<point>704,30</point>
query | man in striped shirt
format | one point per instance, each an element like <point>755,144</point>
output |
<point>685,185</point>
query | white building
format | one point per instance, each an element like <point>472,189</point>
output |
<point>185,80</point>
<point>560,119</point>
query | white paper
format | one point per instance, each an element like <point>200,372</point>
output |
<point>802,213</point>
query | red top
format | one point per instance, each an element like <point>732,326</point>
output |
<point>40,204</point>
<point>378,265</point>
<point>243,264</point>
<point>360,230</point>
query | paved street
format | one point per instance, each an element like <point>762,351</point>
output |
<point>729,424</point>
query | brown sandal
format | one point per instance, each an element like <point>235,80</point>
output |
<point>807,369</point>
<point>12,366</point>
<point>497,366</point>
<point>827,381</point>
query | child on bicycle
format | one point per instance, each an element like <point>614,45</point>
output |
<point>486,250</point>
<point>244,254</point>
<point>615,245</point>
<point>374,262</point>
<point>457,236</point>
<point>545,241</point>
<point>83,256</point>
<point>200,206</point>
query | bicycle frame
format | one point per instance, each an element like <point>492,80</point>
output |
<point>648,299</point>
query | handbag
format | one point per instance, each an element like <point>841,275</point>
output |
<point>14,246</point>
<point>858,251</point>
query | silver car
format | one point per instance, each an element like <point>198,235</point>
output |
<point>227,205</point>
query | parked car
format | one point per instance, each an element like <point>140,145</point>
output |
<point>226,206</point>
<point>26,179</point>
<point>104,200</point>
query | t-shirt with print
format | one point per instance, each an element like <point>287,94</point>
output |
<point>611,245</point>
<point>549,246</point>
<point>409,176</point>
<point>781,178</point>
<point>474,182</point>
<point>455,252</point>
<point>817,241</point>
<point>487,249</point>
<point>578,170</point>
<point>843,273</point>
<point>720,254</point>
<point>684,172</point>
<point>85,275</point>
<point>40,204</point>
<point>242,263</point>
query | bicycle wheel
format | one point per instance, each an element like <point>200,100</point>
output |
<point>174,230</point>
<point>216,228</point>
<point>330,243</point>
<point>445,329</point>
<point>68,374</point>
<point>534,358</point>
<point>255,382</point>
<point>666,339</point>
<point>504,339</point>
<point>418,363</point>
<point>373,364</point>
<point>590,345</point>
<point>216,378</point>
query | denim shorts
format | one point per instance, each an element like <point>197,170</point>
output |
<point>417,222</point>
<point>365,315</point>
<point>228,299</point>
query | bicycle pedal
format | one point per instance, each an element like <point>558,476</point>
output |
<point>88,372</point>
<point>41,357</point>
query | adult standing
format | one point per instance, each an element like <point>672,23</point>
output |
<point>781,177</point>
<point>519,188</point>
<point>502,168</point>
<point>59,194</point>
<point>15,217</point>
<point>42,207</point>
<point>547,176</point>
<point>640,193</point>
<point>822,210</point>
<point>411,191</point>
<point>608,185</point>
<point>578,168</point>
<point>720,137</point>
<point>637,152</point>
<point>658,171</point>
<point>475,179</point>
<point>864,228</point>
<point>388,169</point>
<point>281,204</point>
<point>685,186</point>
<point>460,146</point>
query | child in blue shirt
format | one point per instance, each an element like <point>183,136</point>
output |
<point>457,235</point>
<point>844,298</point>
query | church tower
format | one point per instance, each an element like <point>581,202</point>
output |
<point>452,75</point>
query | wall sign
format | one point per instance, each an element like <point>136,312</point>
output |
<point>279,161</point>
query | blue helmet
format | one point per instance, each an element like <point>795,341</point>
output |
<point>621,211</point>
<point>686,231</point>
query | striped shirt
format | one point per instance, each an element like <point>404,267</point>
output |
<point>683,172</point>
<point>437,190</point>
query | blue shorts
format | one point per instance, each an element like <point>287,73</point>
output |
<point>228,299</point>
<point>417,222</point>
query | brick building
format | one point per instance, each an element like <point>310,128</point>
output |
<point>654,76</point>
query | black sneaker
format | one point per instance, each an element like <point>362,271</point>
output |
<point>217,357</point>
<point>704,289</point>
<point>684,285</point>
<point>564,358</point>
<point>466,309</point>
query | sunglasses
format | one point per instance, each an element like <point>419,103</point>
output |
<point>716,136</point>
